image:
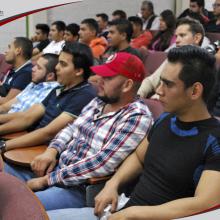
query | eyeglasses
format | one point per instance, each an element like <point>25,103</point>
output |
<point>215,5</point>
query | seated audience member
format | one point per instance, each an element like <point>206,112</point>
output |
<point>140,38</point>
<point>214,24</point>
<point>179,163</point>
<point>71,33</point>
<point>56,34</point>
<point>18,54</point>
<point>119,14</point>
<point>150,20</point>
<point>43,81</point>
<point>197,7</point>
<point>4,67</point>
<point>41,36</point>
<point>88,35</point>
<point>119,36</point>
<point>106,132</point>
<point>165,37</point>
<point>60,107</point>
<point>187,32</point>
<point>102,20</point>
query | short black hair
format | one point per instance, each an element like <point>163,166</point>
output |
<point>194,26</point>
<point>26,46</point>
<point>44,28</point>
<point>122,14</point>
<point>123,26</point>
<point>82,56</point>
<point>60,25</point>
<point>136,20</point>
<point>73,28</point>
<point>200,3</point>
<point>150,5</point>
<point>92,24</point>
<point>103,16</point>
<point>197,66</point>
<point>52,62</point>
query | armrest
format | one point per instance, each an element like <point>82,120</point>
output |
<point>23,156</point>
<point>13,135</point>
<point>97,180</point>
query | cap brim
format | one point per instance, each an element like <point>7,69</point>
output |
<point>103,70</point>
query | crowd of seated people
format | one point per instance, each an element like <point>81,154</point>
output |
<point>80,90</point>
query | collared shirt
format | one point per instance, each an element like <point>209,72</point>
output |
<point>70,101</point>
<point>19,78</point>
<point>32,94</point>
<point>96,143</point>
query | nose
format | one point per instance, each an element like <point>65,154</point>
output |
<point>159,90</point>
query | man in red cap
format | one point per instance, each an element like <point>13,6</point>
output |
<point>109,128</point>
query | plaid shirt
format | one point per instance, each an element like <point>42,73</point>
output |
<point>96,143</point>
<point>32,94</point>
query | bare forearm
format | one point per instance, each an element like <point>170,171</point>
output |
<point>8,117</point>
<point>37,137</point>
<point>14,125</point>
<point>171,210</point>
<point>122,176</point>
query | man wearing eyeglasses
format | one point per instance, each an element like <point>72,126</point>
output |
<point>214,25</point>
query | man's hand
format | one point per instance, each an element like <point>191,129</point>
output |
<point>126,214</point>
<point>37,184</point>
<point>44,163</point>
<point>109,195</point>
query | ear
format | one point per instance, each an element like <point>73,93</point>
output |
<point>18,51</point>
<point>197,38</point>
<point>196,91</point>
<point>124,36</point>
<point>50,77</point>
<point>128,85</point>
<point>79,72</point>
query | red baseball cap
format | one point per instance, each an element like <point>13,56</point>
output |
<point>121,63</point>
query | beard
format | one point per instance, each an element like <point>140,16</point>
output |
<point>109,100</point>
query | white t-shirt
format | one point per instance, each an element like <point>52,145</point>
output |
<point>54,47</point>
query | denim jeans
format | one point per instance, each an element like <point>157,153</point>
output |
<point>55,197</point>
<point>72,214</point>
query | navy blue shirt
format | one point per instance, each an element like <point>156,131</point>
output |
<point>177,154</point>
<point>70,101</point>
<point>17,79</point>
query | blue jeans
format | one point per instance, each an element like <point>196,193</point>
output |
<point>54,197</point>
<point>72,214</point>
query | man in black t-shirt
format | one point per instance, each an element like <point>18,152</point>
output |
<point>179,161</point>
<point>41,36</point>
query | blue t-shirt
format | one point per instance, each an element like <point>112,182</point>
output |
<point>18,79</point>
<point>70,101</point>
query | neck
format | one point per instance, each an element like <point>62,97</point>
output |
<point>137,34</point>
<point>123,45</point>
<point>74,83</point>
<point>195,113</point>
<point>19,62</point>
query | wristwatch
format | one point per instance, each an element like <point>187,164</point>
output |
<point>2,146</point>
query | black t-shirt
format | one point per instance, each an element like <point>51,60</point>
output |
<point>212,27</point>
<point>42,44</point>
<point>177,155</point>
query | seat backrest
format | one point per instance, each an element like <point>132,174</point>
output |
<point>153,60</point>
<point>155,107</point>
<point>213,36</point>
<point>17,201</point>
